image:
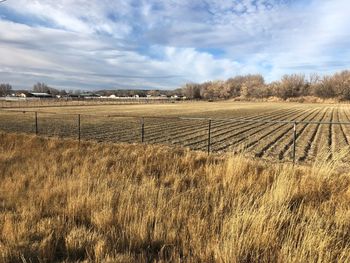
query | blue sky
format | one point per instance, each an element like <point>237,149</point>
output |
<point>162,44</point>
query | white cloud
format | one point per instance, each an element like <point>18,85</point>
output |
<point>162,44</point>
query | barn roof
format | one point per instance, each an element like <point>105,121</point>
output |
<point>40,93</point>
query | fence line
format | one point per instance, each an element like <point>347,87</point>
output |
<point>209,135</point>
<point>79,127</point>
<point>36,123</point>
<point>209,122</point>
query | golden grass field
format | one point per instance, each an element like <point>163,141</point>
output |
<point>102,202</point>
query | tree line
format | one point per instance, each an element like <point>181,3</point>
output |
<point>289,86</point>
<point>243,87</point>
<point>6,89</point>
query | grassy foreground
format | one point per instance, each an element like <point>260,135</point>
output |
<point>141,203</point>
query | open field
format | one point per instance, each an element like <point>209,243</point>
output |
<point>273,141</point>
<point>65,202</point>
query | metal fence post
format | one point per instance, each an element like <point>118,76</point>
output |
<point>209,133</point>
<point>36,123</point>
<point>79,129</point>
<point>142,129</point>
<point>294,140</point>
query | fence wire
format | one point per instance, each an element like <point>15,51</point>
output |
<point>298,140</point>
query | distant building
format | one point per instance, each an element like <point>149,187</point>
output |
<point>89,95</point>
<point>33,95</point>
<point>40,95</point>
<point>22,95</point>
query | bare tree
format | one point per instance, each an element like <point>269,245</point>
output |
<point>341,83</point>
<point>325,88</point>
<point>5,89</point>
<point>42,87</point>
<point>253,86</point>
<point>192,90</point>
<point>292,86</point>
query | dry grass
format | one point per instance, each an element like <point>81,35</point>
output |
<point>142,203</point>
<point>222,109</point>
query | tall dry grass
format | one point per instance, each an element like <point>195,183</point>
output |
<point>138,203</point>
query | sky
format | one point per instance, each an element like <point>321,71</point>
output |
<point>163,44</point>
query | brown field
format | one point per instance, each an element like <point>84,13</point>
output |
<point>36,102</point>
<point>102,202</point>
<point>254,139</point>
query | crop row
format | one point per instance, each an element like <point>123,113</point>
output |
<point>251,134</point>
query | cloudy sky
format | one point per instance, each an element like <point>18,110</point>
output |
<point>162,44</point>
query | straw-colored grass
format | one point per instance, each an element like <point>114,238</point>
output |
<point>139,203</point>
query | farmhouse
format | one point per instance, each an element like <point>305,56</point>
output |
<point>21,94</point>
<point>40,95</point>
<point>33,95</point>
